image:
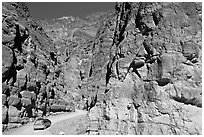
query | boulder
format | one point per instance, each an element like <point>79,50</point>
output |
<point>13,111</point>
<point>14,114</point>
<point>21,78</point>
<point>190,50</point>
<point>28,95</point>
<point>138,63</point>
<point>14,120</point>
<point>26,102</point>
<point>14,101</point>
<point>15,90</point>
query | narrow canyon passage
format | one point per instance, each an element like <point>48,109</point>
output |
<point>135,69</point>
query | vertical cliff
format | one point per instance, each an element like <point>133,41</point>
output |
<point>146,71</point>
<point>136,70</point>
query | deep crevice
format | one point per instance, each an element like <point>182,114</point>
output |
<point>90,72</point>
<point>163,81</point>
<point>117,70</point>
<point>18,40</point>
<point>81,75</point>
<point>157,16</point>
<point>193,101</point>
<point>135,69</point>
<point>124,11</point>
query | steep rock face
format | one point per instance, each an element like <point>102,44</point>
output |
<point>74,39</point>
<point>28,66</point>
<point>137,71</point>
<point>146,71</point>
<point>22,40</point>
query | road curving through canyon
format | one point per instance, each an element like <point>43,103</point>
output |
<point>28,128</point>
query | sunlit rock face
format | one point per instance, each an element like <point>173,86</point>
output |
<point>146,70</point>
<point>137,69</point>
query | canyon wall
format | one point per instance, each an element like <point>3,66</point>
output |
<point>146,71</point>
<point>136,70</point>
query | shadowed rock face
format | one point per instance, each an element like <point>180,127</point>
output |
<point>136,70</point>
<point>28,66</point>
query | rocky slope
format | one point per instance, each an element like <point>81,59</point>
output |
<point>29,70</point>
<point>137,70</point>
<point>74,40</point>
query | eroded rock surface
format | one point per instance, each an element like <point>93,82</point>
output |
<point>146,66</point>
<point>28,67</point>
<point>137,70</point>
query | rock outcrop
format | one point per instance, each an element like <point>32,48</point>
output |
<point>28,66</point>
<point>74,40</point>
<point>146,71</point>
<point>137,70</point>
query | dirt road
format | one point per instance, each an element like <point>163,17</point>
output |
<point>28,128</point>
